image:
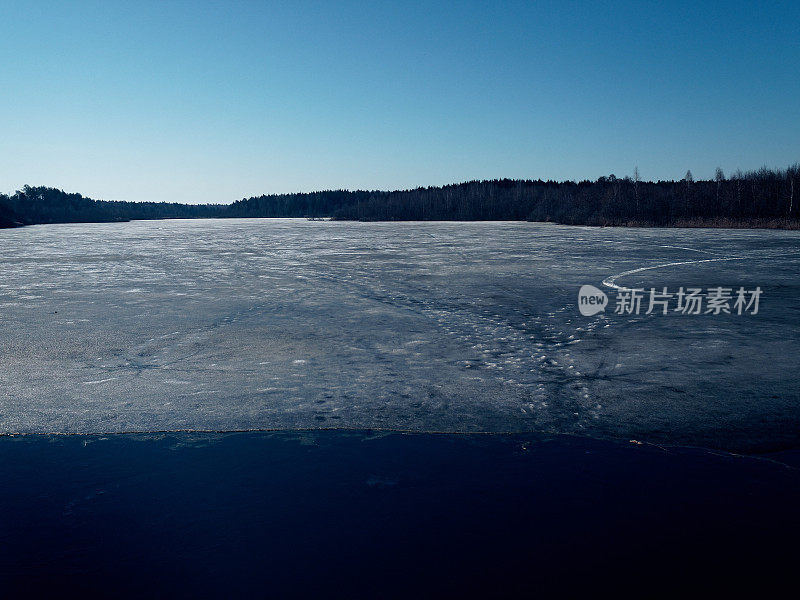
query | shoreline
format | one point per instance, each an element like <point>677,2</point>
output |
<point>753,224</point>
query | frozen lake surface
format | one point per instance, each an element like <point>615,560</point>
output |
<point>224,325</point>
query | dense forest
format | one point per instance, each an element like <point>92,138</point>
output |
<point>37,205</point>
<point>763,198</point>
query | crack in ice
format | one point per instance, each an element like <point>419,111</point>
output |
<point>609,281</point>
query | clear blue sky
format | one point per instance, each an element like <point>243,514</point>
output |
<point>215,101</point>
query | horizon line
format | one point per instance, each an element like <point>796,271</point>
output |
<point>610,177</point>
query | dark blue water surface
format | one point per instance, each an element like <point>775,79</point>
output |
<point>360,514</point>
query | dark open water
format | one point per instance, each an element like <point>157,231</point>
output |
<point>357,514</point>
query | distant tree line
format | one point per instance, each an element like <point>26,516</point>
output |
<point>763,198</point>
<point>38,205</point>
<point>329,203</point>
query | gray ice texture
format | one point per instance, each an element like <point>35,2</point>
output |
<point>243,324</point>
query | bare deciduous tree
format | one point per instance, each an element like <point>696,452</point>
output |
<point>719,177</point>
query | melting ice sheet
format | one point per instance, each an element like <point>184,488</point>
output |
<point>288,324</point>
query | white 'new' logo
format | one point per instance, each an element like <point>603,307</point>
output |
<point>591,300</point>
